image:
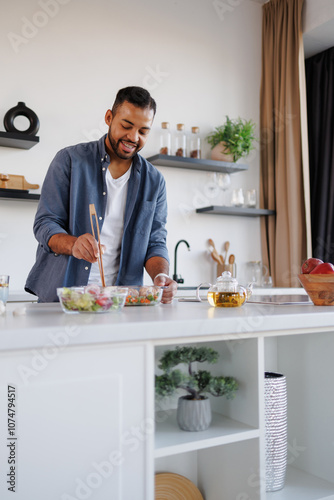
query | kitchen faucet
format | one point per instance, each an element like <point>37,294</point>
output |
<point>179,278</point>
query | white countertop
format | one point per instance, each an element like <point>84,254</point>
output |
<point>46,324</point>
<point>21,296</point>
<point>183,291</point>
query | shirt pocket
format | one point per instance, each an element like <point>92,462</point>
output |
<point>144,218</point>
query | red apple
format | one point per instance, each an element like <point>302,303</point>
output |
<point>324,268</point>
<point>310,264</point>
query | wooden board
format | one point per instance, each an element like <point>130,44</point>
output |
<point>15,182</point>
<point>169,486</point>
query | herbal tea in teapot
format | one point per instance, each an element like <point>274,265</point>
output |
<point>226,299</point>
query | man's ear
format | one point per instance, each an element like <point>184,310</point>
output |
<point>108,117</point>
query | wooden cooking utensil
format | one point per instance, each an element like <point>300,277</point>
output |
<point>92,212</point>
<point>222,259</point>
<point>211,243</point>
<point>215,255</point>
<point>231,259</point>
<point>226,248</point>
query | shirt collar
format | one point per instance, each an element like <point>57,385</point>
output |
<point>102,150</point>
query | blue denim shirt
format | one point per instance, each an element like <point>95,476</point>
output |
<point>75,179</point>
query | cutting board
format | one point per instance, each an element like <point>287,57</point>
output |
<point>15,182</point>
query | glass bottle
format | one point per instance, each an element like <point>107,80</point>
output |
<point>180,141</point>
<point>165,139</point>
<point>195,143</point>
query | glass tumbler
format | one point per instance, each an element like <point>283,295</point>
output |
<point>251,198</point>
<point>4,287</point>
<point>237,198</point>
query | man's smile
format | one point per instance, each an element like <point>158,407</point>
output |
<point>128,146</point>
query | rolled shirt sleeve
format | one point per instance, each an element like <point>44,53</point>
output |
<point>158,236</point>
<point>52,214</point>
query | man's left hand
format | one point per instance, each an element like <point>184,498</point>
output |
<point>170,291</point>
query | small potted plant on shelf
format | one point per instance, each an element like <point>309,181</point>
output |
<point>233,140</point>
<point>194,409</point>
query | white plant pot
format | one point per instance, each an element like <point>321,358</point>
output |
<point>193,415</point>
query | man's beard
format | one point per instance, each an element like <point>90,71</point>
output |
<point>115,147</point>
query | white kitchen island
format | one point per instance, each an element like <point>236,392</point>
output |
<point>86,424</point>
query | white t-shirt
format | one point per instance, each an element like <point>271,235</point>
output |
<point>112,230</point>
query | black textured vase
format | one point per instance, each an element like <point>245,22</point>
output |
<point>21,110</point>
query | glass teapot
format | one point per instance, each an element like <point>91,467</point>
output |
<point>227,293</point>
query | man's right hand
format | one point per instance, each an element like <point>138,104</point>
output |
<point>85,247</point>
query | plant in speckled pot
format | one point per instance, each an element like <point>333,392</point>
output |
<point>194,409</point>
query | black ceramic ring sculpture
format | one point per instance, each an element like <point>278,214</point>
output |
<point>21,110</point>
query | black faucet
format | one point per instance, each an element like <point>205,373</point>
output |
<point>179,278</point>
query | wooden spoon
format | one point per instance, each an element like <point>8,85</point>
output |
<point>226,248</point>
<point>211,243</point>
<point>231,259</point>
<point>215,255</point>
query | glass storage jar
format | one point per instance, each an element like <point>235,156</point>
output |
<point>165,139</point>
<point>180,141</point>
<point>195,143</point>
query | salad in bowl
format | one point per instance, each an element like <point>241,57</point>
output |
<point>92,298</point>
<point>144,295</point>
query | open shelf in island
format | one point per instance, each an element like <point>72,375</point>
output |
<point>171,440</point>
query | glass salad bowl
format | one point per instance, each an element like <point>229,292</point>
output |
<point>92,298</point>
<point>144,295</point>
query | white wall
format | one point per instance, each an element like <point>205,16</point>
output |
<point>316,13</point>
<point>318,26</point>
<point>199,64</point>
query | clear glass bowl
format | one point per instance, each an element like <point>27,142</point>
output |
<point>92,298</point>
<point>144,295</point>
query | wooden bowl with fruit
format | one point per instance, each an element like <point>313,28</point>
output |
<point>317,279</point>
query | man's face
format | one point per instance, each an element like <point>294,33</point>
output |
<point>128,129</point>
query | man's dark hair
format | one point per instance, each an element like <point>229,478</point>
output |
<point>134,95</point>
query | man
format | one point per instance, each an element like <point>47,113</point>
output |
<point>129,195</point>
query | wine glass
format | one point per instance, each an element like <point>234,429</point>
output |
<point>212,189</point>
<point>224,182</point>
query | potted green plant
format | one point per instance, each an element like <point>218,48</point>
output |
<point>233,140</point>
<point>194,409</point>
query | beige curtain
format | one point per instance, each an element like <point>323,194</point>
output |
<point>284,156</point>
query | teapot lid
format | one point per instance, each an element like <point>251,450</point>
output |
<point>227,278</point>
